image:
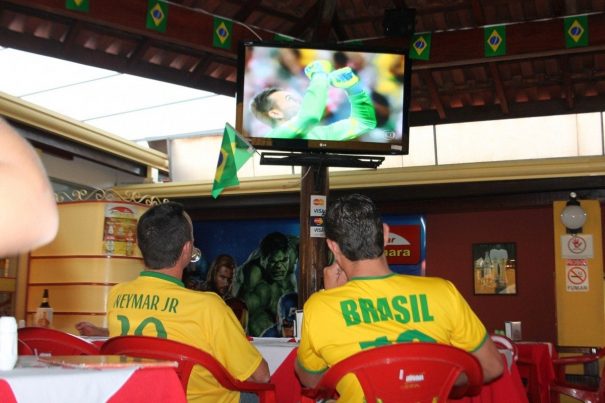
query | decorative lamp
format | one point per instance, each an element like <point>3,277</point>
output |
<point>573,215</point>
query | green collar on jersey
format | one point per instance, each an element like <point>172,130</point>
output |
<point>162,276</point>
<point>373,277</point>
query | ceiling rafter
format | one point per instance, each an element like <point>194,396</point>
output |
<point>500,94</point>
<point>434,93</point>
<point>567,84</point>
<point>325,16</point>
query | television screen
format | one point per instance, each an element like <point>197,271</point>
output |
<point>318,98</point>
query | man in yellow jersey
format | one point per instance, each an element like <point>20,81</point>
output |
<point>158,304</point>
<point>366,305</point>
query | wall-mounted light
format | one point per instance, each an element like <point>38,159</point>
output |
<point>573,215</point>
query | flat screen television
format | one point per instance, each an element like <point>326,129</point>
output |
<point>323,98</point>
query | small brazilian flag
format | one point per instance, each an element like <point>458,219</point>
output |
<point>420,48</point>
<point>222,33</point>
<point>282,38</point>
<point>77,5</point>
<point>235,151</point>
<point>576,31</point>
<point>157,15</point>
<point>494,40</point>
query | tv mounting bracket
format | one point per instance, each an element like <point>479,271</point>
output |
<point>321,159</point>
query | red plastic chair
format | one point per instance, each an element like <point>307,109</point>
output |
<point>504,343</point>
<point>386,374</point>
<point>186,356</point>
<point>23,348</point>
<point>55,342</point>
<point>584,393</point>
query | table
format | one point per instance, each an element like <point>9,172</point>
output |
<point>32,381</point>
<point>506,389</point>
<point>535,366</point>
<point>280,354</point>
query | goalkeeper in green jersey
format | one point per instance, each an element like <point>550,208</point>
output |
<point>293,118</point>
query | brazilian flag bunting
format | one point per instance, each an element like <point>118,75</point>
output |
<point>235,151</point>
<point>157,15</point>
<point>420,48</point>
<point>576,31</point>
<point>494,40</point>
<point>77,5</point>
<point>282,38</point>
<point>223,30</point>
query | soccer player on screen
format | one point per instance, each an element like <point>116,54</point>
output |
<point>293,118</point>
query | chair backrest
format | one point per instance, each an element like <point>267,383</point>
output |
<point>504,343</point>
<point>579,391</point>
<point>419,372</point>
<point>187,357</point>
<point>44,340</point>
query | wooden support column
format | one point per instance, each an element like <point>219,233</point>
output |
<point>313,251</point>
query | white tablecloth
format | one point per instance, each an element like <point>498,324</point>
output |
<point>274,350</point>
<point>33,382</point>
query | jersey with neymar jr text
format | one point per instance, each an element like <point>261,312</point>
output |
<point>158,305</point>
<point>374,311</point>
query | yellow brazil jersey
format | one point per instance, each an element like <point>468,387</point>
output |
<point>158,305</point>
<point>374,311</point>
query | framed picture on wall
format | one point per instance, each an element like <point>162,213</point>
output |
<point>495,268</point>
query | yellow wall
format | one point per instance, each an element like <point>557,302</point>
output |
<point>580,315</point>
<point>77,268</point>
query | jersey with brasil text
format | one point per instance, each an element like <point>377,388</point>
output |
<point>158,305</point>
<point>374,311</point>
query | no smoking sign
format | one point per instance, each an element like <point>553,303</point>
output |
<point>576,277</point>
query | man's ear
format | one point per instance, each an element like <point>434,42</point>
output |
<point>333,246</point>
<point>386,232</point>
<point>275,114</point>
<point>186,251</point>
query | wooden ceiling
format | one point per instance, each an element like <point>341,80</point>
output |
<point>537,76</point>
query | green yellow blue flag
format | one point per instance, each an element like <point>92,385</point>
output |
<point>223,30</point>
<point>576,31</point>
<point>494,40</point>
<point>283,38</point>
<point>235,151</point>
<point>420,48</point>
<point>157,15</point>
<point>77,5</point>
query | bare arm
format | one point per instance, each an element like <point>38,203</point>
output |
<point>308,379</point>
<point>261,375</point>
<point>490,359</point>
<point>28,213</point>
<point>88,329</point>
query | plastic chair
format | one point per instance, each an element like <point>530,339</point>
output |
<point>418,372</point>
<point>23,348</point>
<point>42,340</point>
<point>582,392</point>
<point>186,356</point>
<point>504,343</point>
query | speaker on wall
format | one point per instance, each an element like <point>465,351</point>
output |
<point>399,21</point>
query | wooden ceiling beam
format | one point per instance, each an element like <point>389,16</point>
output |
<point>186,27</point>
<point>500,94</point>
<point>478,13</point>
<point>191,29</point>
<point>325,16</point>
<point>247,9</point>
<point>435,99</point>
<point>526,40</point>
<point>567,84</point>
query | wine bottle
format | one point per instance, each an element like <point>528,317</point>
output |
<point>44,303</point>
<point>44,313</point>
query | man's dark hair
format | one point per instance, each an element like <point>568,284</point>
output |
<point>162,232</point>
<point>273,242</point>
<point>261,105</point>
<point>354,223</point>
